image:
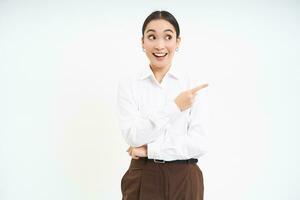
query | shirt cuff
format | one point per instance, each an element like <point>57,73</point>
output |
<point>152,149</point>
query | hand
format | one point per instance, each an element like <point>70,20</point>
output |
<point>136,152</point>
<point>185,99</point>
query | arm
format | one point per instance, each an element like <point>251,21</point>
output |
<point>193,144</point>
<point>138,129</point>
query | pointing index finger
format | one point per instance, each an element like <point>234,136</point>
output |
<point>199,87</point>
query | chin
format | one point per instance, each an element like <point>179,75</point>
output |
<point>160,65</point>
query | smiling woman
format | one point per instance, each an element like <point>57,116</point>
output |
<point>160,40</point>
<point>160,122</point>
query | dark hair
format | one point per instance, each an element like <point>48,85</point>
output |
<point>165,15</point>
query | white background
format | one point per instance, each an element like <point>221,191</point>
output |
<point>60,62</point>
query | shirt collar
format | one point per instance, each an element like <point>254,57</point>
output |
<point>147,72</point>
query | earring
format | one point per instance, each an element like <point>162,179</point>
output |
<point>144,50</point>
<point>176,49</point>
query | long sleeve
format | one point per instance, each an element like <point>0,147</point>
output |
<point>193,144</point>
<point>138,129</point>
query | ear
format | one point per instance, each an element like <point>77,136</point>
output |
<point>178,40</point>
<point>142,42</point>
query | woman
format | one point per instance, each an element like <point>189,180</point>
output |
<point>159,119</point>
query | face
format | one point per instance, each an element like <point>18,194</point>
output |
<point>160,43</point>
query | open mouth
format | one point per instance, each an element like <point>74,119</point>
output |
<point>159,55</point>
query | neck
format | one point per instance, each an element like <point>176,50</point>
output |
<point>160,72</point>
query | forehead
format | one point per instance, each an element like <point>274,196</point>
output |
<point>160,25</point>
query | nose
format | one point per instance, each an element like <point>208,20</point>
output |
<point>159,45</point>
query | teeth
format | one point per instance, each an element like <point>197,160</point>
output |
<point>160,54</point>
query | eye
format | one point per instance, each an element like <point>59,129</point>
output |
<point>151,37</point>
<point>169,37</point>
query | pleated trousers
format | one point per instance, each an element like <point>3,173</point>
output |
<point>145,180</point>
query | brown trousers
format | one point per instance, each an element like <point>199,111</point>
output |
<point>145,180</point>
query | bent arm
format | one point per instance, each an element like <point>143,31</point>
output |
<point>193,144</point>
<point>138,129</point>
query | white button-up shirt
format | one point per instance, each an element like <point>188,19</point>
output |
<point>149,115</point>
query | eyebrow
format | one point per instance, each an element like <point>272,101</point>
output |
<point>155,31</point>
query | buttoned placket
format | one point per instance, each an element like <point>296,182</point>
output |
<point>163,92</point>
